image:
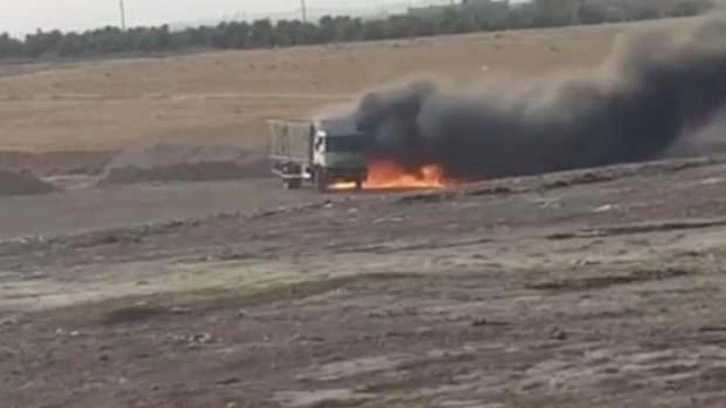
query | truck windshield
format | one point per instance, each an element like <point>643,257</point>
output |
<point>351,143</point>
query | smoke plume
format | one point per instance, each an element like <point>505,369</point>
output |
<point>653,90</point>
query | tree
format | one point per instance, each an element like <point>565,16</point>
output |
<point>71,46</point>
<point>10,47</point>
<point>551,13</point>
<point>261,35</point>
<point>470,15</point>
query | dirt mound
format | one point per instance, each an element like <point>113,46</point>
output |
<point>13,183</point>
<point>169,162</point>
<point>56,163</point>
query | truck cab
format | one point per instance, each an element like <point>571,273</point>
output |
<point>324,151</point>
<point>339,152</point>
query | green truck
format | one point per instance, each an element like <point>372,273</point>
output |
<point>324,151</point>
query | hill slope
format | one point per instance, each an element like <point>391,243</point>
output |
<point>225,97</point>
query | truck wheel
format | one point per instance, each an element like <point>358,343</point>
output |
<point>321,181</point>
<point>293,183</point>
<point>359,184</point>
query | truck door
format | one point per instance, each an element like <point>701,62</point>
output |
<point>311,144</point>
<point>319,148</point>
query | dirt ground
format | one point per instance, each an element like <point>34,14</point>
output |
<point>592,288</point>
<point>225,97</point>
<point>597,288</point>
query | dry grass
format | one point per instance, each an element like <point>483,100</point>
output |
<point>226,96</point>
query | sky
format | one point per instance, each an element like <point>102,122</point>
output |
<point>20,17</point>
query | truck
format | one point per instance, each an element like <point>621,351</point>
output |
<point>323,151</point>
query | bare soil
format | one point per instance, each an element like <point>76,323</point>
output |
<point>14,183</point>
<point>591,288</point>
<point>48,164</point>
<point>225,97</point>
<point>175,162</point>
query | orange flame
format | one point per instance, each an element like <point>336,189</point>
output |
<point>387,174</point>
<point>391,175</point>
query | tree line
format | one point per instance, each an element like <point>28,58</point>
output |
<point>469,16</point>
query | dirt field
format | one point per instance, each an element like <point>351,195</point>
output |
<point>593,288</point>
<point>225,97</point>
<point>598,288</point>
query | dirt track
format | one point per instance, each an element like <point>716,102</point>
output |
<point>596,288</point>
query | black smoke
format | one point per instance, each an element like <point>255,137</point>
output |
<point>653,90</point>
